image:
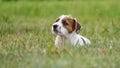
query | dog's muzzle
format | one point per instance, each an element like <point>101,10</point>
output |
<point>55,28</point>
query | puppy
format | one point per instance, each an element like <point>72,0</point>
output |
<point>66,29</point>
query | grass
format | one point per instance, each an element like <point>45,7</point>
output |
<point>26,40</point>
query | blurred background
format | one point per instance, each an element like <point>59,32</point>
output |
<point>26,40</point>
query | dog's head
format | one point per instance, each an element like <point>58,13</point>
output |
<point>65,24</point>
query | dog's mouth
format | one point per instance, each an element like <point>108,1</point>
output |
<point>56,31</point>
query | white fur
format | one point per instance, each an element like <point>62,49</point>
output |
<point>63,37</point>
<point>72,39</point>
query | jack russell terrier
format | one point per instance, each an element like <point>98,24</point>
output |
<point>66,28</point>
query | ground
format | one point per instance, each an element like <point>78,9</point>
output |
<point>26,40</point>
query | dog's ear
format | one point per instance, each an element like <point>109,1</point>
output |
<point>77,25</point>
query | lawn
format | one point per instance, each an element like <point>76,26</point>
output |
<point>26,40</point>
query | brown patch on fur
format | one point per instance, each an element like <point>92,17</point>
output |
<point>69,24</point>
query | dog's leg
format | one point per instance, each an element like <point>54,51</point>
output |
<point>57,42</point>
<point>85,40</point>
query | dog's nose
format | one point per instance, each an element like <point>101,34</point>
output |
<point>55,26</point>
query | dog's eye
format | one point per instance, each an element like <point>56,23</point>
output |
<point>65,23</point>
